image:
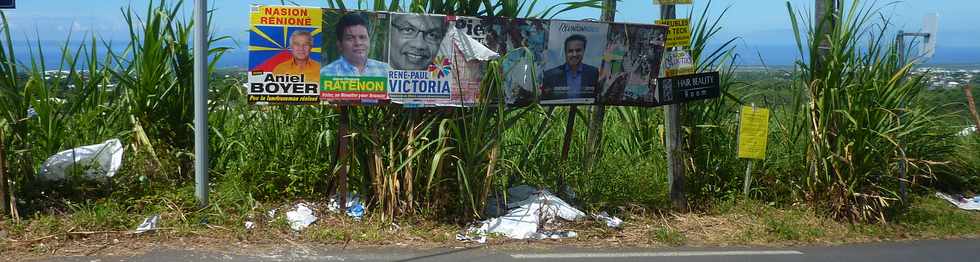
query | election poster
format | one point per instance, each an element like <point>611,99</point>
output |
<point>522,43</point>
<point>355,68</point>
<point>301,55</point>
<point>420,75</point>
<point>571,74</point>
<point>631,64</point>
<point>463,44</point>
<point>284,55</point>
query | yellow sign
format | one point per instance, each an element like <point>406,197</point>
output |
<point>679,34</point>
<point>673,2</point>
<point>753,132</point>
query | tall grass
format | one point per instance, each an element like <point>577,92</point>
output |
<point>862,114</point>
<point>850,124</point>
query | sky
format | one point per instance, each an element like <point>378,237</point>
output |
<point>762,26</point>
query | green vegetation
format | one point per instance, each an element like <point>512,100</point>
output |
<point>839,130</point>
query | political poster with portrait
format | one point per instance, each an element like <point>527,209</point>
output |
<point>523,44</point>
<point>631,64</point>
<point>420,75</point>
<point>571,74</point>
<point>463,44</point>
<point>355,68</point>
<point>284,55</point>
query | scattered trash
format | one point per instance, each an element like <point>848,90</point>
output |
<point>525,217</point>
<point>356,211</point>
<point>481,238</point>
<point>272,213</point>
<point>961,202</point>
<point>93,161</point>
<point>355,207</point>
<point>554,235</point>
<point>496,206</point>
<point>968,131</point>
<point>31,112</point>
<point>149,224</point>
<point>249,225</point>
<point>300,218</point>
<point>611,221</point>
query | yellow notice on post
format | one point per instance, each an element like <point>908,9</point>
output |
<point>753,132</point>
<point>672,2</point>
<point>679,32</point>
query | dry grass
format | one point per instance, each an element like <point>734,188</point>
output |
<point>741,224</point>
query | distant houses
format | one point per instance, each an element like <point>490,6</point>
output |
<point>946,79</point>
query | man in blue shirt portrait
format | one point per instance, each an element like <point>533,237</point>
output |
<point>580,79</point>
<point>354,44</point>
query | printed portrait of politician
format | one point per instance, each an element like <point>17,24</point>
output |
<point>414,40</point>
<point>579,79</point>
<point>354,44</point>
<point>300,48</point>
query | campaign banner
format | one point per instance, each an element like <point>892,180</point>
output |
<point>304,55</point>
<point>420,75</point>
<point>355,68</point>
<point>463,45</point>
<point>522,43</point>
<point>571,75</point>
<point>631,64</point>
<point>284,55</point>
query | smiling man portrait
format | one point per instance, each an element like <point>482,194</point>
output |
<point>415,40</point>
<point>300,47</point>
<point>354,44</point>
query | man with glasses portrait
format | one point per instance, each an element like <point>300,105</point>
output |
<point>414,40</point>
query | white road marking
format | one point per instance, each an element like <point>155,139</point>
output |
<point>657,254</point>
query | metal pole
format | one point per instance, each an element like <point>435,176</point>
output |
<point>675,162</point>
<point>201,102</point>
<point>748,179</point>
<point>903,163</point>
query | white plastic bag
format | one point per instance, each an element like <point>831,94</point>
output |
<point>525,217</point>
<point>300,218</point>
<point>94,161</point>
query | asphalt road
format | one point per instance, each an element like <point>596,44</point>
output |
<point>918,251</point>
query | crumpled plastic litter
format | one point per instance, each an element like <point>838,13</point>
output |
<point>249,225</point>
<point>478,238</point>
<point>97,162</point>
<point>967,131</point>
<point>525,217</point>
<point>355,207</point>
<point>554,235</point>
<point>961,202</point>
<point>300,218</point>
<point>149,224</point>
<point>611,221</point>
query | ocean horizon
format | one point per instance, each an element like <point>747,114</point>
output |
<point>238,56</point>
